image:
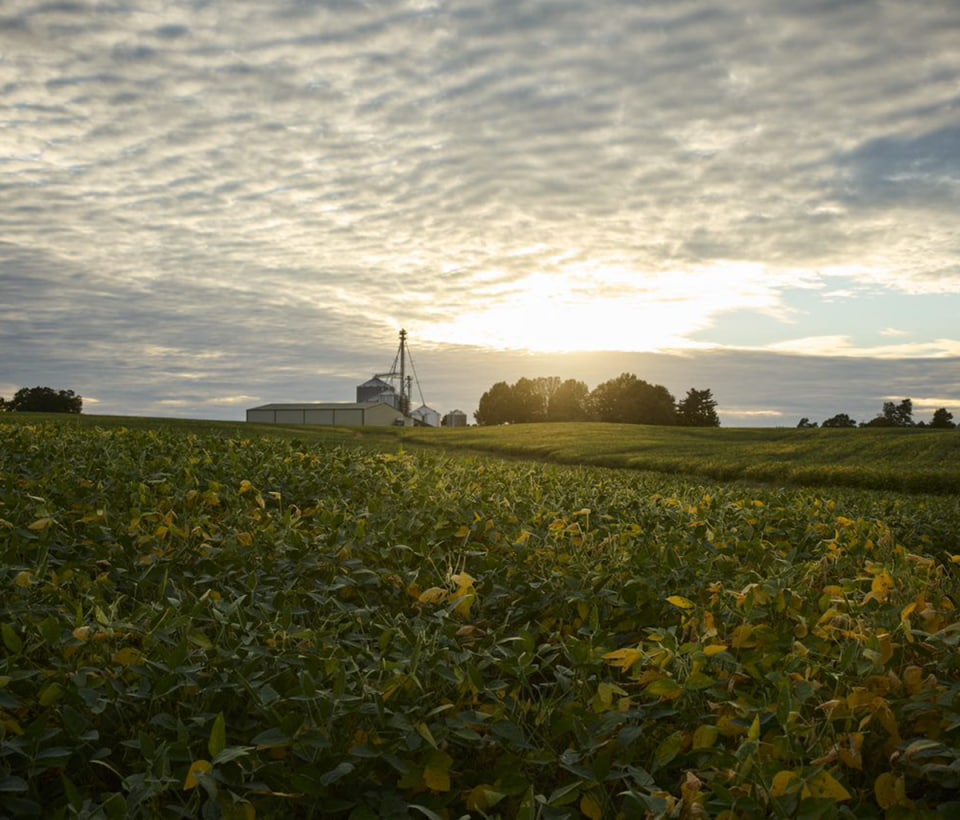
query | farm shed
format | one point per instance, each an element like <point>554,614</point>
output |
<point>340,414</point>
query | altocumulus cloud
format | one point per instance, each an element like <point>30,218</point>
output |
<point>205,203</point>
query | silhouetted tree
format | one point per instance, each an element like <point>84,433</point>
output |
<point>630,400</point>
<point>44,400</point>
<point>531,397</point>
<point>496,405</point>
<point>839,420</point>
<point>942,419</point>
<point>894,415</point>
<point>805,423</point>
<point>698,409</point>
<point>569,402</point>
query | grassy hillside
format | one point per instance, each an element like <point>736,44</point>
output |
<point>913,460</point>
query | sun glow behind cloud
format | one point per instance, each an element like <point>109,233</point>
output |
<point>586,307</point>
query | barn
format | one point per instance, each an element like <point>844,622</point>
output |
<point>339,414</point>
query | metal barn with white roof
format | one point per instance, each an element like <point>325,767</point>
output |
<point>337,414</point>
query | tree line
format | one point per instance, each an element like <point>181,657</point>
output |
<point>42,400</point>
<point>893,414</point>
<point>626,399</point>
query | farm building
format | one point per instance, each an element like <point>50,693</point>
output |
<point>379,403</point>
<point>341,414</point>
<point>376,389</point>
<point>427,416</point>
<point>455,418</point>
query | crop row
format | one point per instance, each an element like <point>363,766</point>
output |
<point>226,627</point>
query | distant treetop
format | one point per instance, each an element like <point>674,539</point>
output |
<point>625,399</point>
<point>42,400</point>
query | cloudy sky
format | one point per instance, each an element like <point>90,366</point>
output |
<point>207,205</point>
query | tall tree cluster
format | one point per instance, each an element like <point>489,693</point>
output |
<point>626,399</point>
<point>42,400</point>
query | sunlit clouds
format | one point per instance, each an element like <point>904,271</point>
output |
<point>585,307</point>
<point>211,200</point>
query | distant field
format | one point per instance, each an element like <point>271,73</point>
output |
<point>204,619</point>
<point>907,460</point>
<point>903,460</point>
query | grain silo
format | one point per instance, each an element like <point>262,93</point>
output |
<point>376,389</point>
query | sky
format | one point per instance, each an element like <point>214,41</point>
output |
<point>208,205</point>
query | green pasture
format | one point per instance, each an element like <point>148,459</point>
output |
<point>208,619</point>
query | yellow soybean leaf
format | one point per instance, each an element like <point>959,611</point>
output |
<point>463,532</point>
<point>623,658</point>
<point>680,602</point>
<point>882,711</point>
<point>82,633</point>
<point>698,680</point>
<point>426,734</point>
<point>128,656</point>
<point>434,595</point>
<point>782,781</point>
<point>742,637</point>
<point>705,736</point>
<point>851,752</point>
<point>691,794</point>
<point>890,791</point>
<point>24,578</point>
<point>198,767</point>
<point>590,806</point>
<point>886,648</point>
<point>603,700</point>
<point>714,649</point>
<point>905,614</point>
<point>824,785</point>
<point>51,694</point>
<point>483,797</point>
<point>40,525</point>
<point>913,679</point>
<point>436,774</point>
<point>11,726</point>
<point>880,588</point>
<point>465,598</point>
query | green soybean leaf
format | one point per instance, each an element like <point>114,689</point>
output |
<point>11,639</point>
<point>218,736</point>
